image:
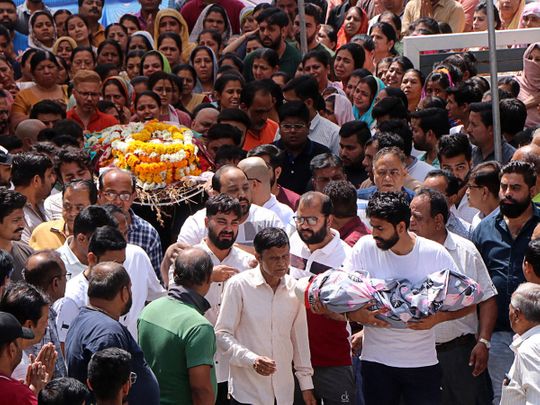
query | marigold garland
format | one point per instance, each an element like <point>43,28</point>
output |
<point>158,154</point>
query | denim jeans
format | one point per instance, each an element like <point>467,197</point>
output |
<point>499,362</point>
<point>357,369</point>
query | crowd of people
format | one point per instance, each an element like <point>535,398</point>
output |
<point>346,157</point>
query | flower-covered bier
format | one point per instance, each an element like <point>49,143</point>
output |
<point>158,154</point>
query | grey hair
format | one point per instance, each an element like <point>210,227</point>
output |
<point>526,299</point>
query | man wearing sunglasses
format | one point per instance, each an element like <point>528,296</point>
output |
<point>315,248</point>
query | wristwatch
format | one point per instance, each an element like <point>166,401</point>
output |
<point>486,342</point>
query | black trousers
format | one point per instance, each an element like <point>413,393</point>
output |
<point>385,385</point>
<point>223,394</point>
<point>459,386</point>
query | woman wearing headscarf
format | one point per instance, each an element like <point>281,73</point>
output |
<point>170,20</point>
<point>248,22</point>
<point>510,11</point>
<point>364,98</point>
<point>63,48</point>
<point>42,31</point>
<point>530,84</point>
<point>212,17</point>
<point>205,63</point>
<point>530,18</point>
<point>356,22</point>
<point>154,61</point>
<point>147,38</point>
<point>338,109</point>
<point>119,91</point>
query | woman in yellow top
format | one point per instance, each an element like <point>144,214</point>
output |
<point>510,11</point>
<point>44,67</point>
<point>170,20</point>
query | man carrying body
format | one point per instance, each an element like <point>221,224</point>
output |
<point>397,363</point>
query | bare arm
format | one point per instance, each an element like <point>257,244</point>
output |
<point>202,392</point>
<point>234,45</point>
<point>486,323</point>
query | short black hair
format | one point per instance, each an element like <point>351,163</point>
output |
<point>63,391</point>
<point>454,145</point>
<point>221,131</point>
<point>273,16</point>
<point>401,128</point>
<point>356,128</point>
<point>465,93</point>
<point>391,106</point>
<point>526,169</point>
<point>232,76</point>
<point>325,160</point>
<point>47,107</point>
<point>513,115</point>
<point>11,143</point>
<point>234,114</point>
<point>515,87</point>
<point>487,174</point>
<point>252,88</point>
<point>239,63</point>
<point>228,153</point>
<point>106,280</point>
<point>28,165</point>
<point>294,109</point>
<point>69,127</point>
<point>437,201</point>
<point>532,255</point>
<point>91,218</point>
<point>192,269</point>
<point>10,200</point>
<point>391,207</point>
<point>24,301</point>
<point>269,238</point>
<point>71,154</point>
<point>453,184</point>
<point>108,371</point>
<point>105,239</point>
<point>343,195</point>
<point>6,266</point>
<point>274,154</point>
<point>433,119</point>
<point>486,112</point>
<point>306,87</point>
<point>223,203</point>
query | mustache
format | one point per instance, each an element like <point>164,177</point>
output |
<point>222,234</point>
<point>508,200</point>
<point>94,10</point>
<point>19,230</point>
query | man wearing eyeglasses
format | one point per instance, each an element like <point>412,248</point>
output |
<point>87,90</point>
<point>315,248</point>
<point>299,150</point>
<point>117,187</point>
<point>46,271</point>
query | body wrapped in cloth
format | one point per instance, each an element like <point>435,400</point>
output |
<point>342,291</point>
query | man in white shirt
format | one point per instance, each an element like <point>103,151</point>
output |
<point>74,251</point>
<point>522,383</point>
<point>232,181</point>
<point>108,244</point>
<point>397,363</point>
<point>222,213</point>
<point>262,328</point>
<point>462,344</point>
<point>315,248</point>
<point>455,156</point>
<point>321,130</point>
<point>260,175</point>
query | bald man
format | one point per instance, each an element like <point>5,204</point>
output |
<point>27,131</point>
<point>204,119</point>
<point>260,176</point>
<point>232,181</point>
<point>531,154</point>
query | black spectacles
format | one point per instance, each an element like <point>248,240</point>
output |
<point>309,220</point>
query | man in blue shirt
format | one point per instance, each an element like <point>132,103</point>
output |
<point>97,328</point>
<point>502,239</point>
